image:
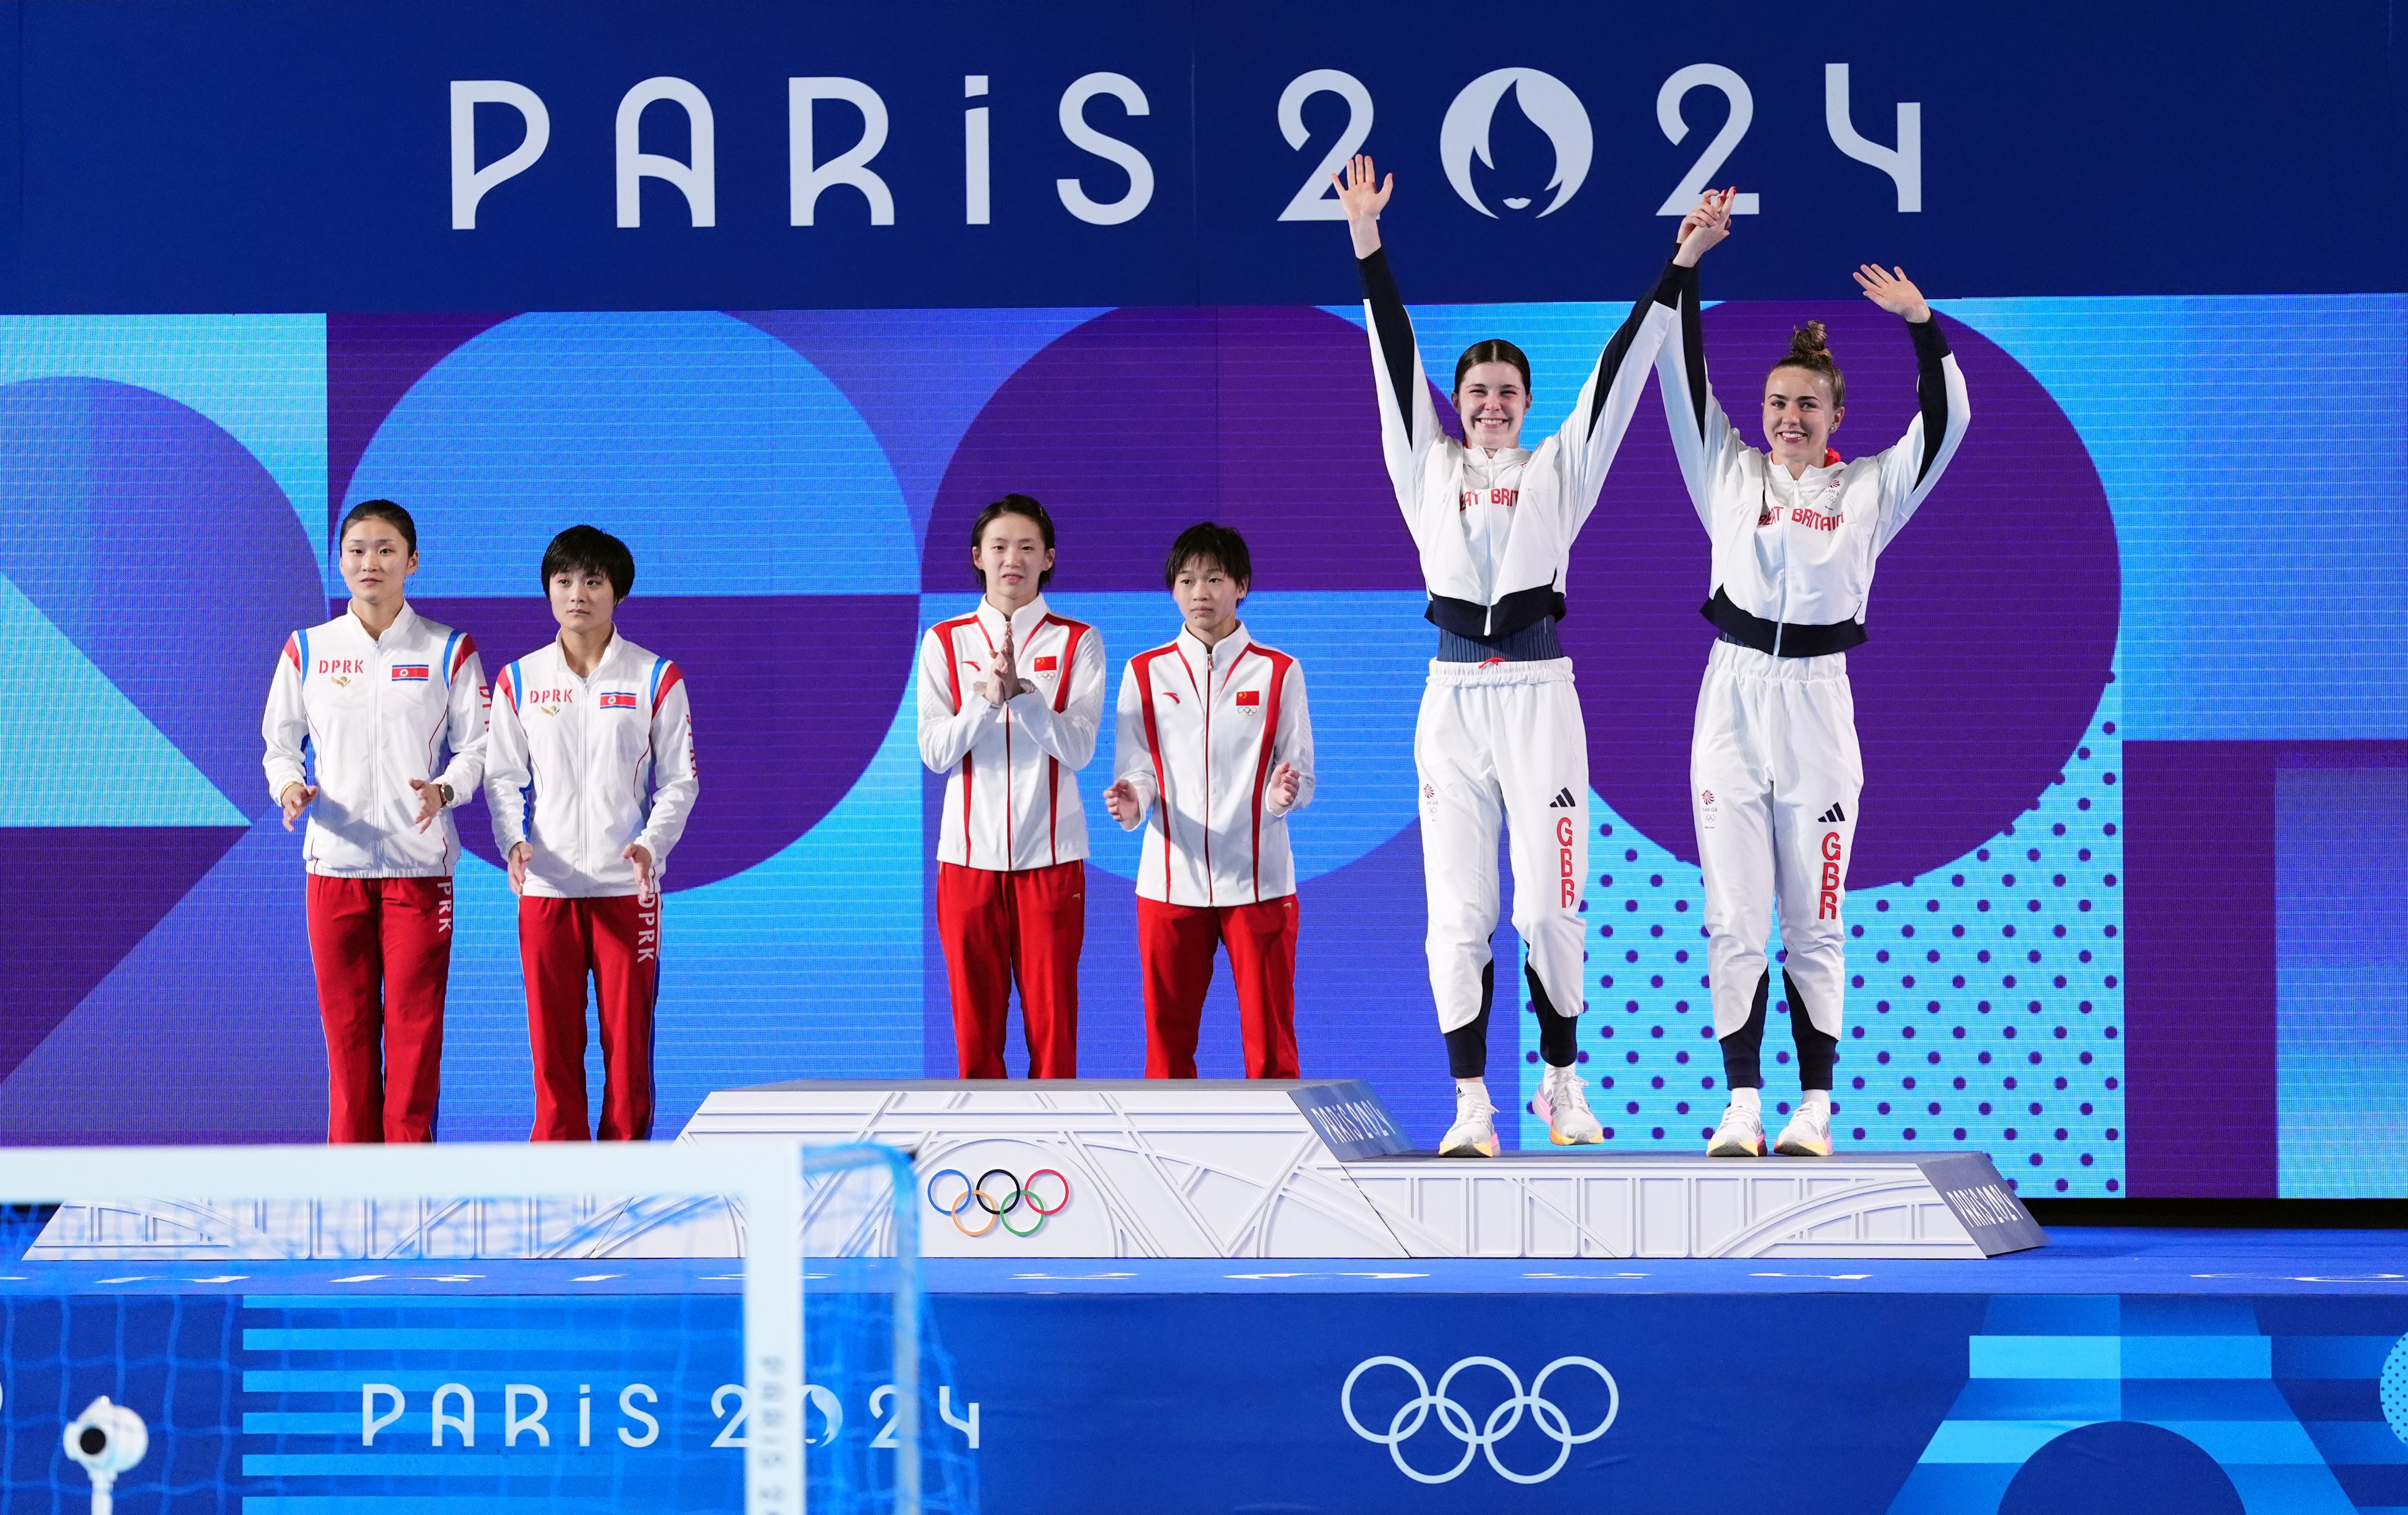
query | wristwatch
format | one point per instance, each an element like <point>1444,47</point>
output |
<point>445,791</point>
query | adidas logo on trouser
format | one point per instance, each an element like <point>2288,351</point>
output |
<point>1833,817</point>
<point>1564,801</point>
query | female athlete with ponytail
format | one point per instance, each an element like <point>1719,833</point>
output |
<point>1501,734</point>
<point>1774,770</point>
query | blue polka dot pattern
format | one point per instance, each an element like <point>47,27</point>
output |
<point>2395,1389</point>
<point>1985,1003</point>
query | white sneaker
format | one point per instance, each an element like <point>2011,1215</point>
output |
<point>1740,1135</point>
<point>1808,1134</point>
<point>1474,1132</point>
<point>1563,1104</point>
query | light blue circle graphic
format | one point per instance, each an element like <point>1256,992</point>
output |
<point>2395,1389</point>
<point>728,461</point>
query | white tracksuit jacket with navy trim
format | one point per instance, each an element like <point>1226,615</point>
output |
<point>579,768</point>
<point>377,712</point>
<point>1200,732</point>
<point>1794,554</point>
<point>1012,793</point>
<point>1550,489</point>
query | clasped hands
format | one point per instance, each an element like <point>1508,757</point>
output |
<point>1003,683</point>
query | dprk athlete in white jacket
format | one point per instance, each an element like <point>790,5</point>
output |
<point>1214,740</point>
<point>1010,697</point>
<point>1500,729</point>
<point>590,781</point>
<point>376,695</point>
<point>1774,767</point>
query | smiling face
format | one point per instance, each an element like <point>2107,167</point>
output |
<point>1492,400</point>
<point>1799,416</point>
<point>582,599</point>
<point>1207,599</point>
<point>1011,556</point>
<point>376,561</point>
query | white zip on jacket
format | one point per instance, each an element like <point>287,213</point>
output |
<point>1200,732</point>
<point>1537,501</point>
<point>377,711</point>
<point>1009,802</point>
<point>1793,558</point>
<point>609,758</point>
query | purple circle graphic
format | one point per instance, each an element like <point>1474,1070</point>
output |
<point>1142,422</point>
<point>1993,614</point>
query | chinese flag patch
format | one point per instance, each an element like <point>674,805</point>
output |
<point>1250,696</point>
<point>1046,665</point>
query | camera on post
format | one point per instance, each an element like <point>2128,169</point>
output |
<point>107,1440</point>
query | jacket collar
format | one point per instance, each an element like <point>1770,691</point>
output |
<point>402,626</point>
<point>611,653</point>
<point>1220,655</point>
<point>1024,621</point>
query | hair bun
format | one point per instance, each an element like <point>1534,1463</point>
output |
<point>1808,342</point>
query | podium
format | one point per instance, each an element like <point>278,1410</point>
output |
<point>1318,1168</point>
<point>1145,1168</point>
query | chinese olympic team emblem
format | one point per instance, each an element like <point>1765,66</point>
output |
<point>1479,1437</point>
<point>995,1199</point>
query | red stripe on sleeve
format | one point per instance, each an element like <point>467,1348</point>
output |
<point>467,650</point>
<point>1144,665</point>
<point>292,653</point>
<point>1280,663</point>
<point>670,680</point>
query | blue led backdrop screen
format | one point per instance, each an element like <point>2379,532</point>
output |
<point>785,298</point>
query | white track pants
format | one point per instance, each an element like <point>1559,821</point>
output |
<point>1774,772</point>
<point>1503,740</point>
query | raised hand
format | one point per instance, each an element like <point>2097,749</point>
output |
<point>1705,226</point>
<point>1285,782</point>
<point>1121,801</point>
<point>295,799</point>
<point>1363,198</point>
<point>1894,292</point>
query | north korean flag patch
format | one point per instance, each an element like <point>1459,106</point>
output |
<point>619,700</point>
<point>1047,665</point>
<point>409,672</point>
<point>1250,696</point>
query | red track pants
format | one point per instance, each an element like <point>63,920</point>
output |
<point>1175,945</point>
<point>382,948</point>
<point>1000,928</point>
<point>616,940</point>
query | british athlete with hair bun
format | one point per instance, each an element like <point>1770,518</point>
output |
<point>376,695</point>
<point>1774,770</point>
<point>1009,698</point>
<point>1500,736</point>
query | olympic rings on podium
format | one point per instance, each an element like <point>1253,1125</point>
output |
<point>998,1205</point>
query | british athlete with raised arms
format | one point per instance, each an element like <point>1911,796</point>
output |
<point>1500,737</point>
<point>1774,768</point>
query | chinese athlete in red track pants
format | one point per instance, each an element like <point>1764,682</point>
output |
<point>376,694</point>
<point>1010,698</point>
<point>1214,740</point>
<point>1774,771</point>
<point>601,731</point>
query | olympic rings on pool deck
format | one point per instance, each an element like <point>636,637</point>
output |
<point>998,1205</point>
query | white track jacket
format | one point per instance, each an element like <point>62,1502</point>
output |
<point>379,712</point>
<point>1200,732</point>
<point>1793,558</point>
<point>1493,595</point>
<point>1009,802</point>
<point>579,768</point>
